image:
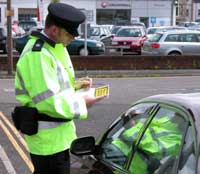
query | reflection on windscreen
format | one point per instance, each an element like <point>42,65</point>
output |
<point>127,32</point>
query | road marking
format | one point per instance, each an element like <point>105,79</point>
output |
<point>17,147</point>
<point>7,163</point>
<point>8,90</point>
<point>15,131</point>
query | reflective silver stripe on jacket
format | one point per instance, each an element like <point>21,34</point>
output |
<point>42,96</point>
<point>155,137</point>
<point>23,90</point>
<point>77,111</point>
<point>48,124</point>
<point>59,72</point>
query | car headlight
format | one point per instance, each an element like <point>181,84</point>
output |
<point>98,44</point>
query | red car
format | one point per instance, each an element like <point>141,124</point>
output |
<point>130,39</point>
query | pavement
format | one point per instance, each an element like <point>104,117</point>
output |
<point>124,73</point>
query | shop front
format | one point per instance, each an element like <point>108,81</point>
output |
<point>117,12</point>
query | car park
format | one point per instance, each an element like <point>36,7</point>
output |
<point>129,38</point>
<point>75,47</point>
<point>178,42</point>
<point>155,135</point>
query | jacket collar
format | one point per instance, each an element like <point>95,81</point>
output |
<point>43,37</point>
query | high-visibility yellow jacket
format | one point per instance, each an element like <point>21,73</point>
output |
<point>161,139</point>
<point>45,80</point>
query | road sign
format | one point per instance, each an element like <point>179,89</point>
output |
<point>153,20</point>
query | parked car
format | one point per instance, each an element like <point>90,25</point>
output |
<point>182,42</point>
<point>188,24</point>
<point>129,38</point>
<point>156,135</point>
<point>3,36</point>
<point>153,30</point>
<point>27,24</point>
<point>76,47</point>
<point>96,32</point>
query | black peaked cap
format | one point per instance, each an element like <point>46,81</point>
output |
<point>66,16</point>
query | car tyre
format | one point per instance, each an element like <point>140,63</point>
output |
<point>82,51</point>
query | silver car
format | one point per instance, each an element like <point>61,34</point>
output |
<point>182,42</point>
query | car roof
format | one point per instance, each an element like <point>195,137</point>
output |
<point>179,32</point>
<point>190,101</point>
<point>134,26</point>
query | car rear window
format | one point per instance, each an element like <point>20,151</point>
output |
<point>154,37</point>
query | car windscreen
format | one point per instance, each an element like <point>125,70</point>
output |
<point>154,37</point>
<point>129,32</point>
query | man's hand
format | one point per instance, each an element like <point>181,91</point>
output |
<point>92,100</point>
<point>84,82</point>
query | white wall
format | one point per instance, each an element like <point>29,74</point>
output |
<point>150,8</point>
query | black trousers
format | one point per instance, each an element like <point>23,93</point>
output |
<point>58,163</point>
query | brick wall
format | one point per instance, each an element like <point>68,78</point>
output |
<point>126,62</point>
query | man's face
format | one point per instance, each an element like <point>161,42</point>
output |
<point>64,37</point>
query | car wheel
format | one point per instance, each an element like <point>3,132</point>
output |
<point>82,52</point>
<point>174,53</point>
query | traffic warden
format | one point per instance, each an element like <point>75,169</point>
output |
<point>45,85</point>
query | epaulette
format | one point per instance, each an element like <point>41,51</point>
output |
<point>38,45</point>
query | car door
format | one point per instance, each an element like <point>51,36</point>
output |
<point>166,146</point>
<point>189,44</point>
<point>115,145</point>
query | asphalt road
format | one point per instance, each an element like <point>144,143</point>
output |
<point>123,92</point>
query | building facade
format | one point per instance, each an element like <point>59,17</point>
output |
<point>119,12</point>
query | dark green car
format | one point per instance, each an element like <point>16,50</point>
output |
<point>76,47</point>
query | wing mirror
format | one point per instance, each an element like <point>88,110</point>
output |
<point>83,146</point>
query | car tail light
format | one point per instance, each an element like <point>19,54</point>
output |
<point>155,45</point>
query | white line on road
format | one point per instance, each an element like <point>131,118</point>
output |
<point>8,90</point>
<point>7,163</point>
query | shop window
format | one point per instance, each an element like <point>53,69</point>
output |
<point>26,14</point>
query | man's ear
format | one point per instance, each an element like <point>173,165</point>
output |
<point>54,30</point>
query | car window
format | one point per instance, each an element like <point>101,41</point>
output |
<point>118,142</point>
<point>154,37</point>
<point>94,31</point>
<point>187,38</point>
<point>198,37</point>
<point>160,145</point>
<point>172,38</point>
<point>187,162</point>
<point>151,30</point>
<point>128,32</point>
